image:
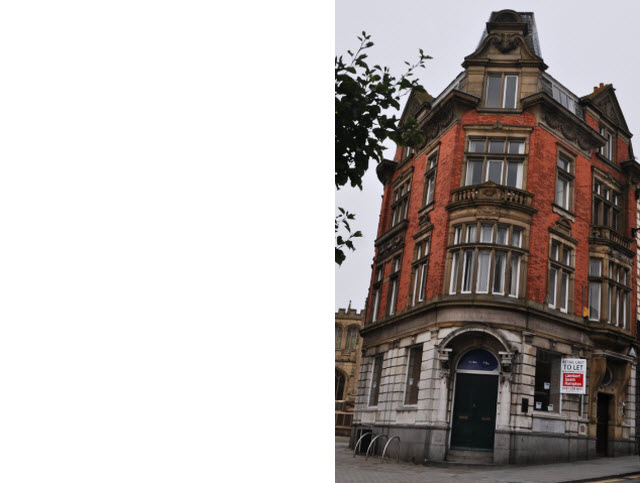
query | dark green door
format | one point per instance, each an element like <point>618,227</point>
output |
<point>474,412</point>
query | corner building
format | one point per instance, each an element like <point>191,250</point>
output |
<point>505,244</point>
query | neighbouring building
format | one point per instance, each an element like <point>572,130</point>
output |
<point>348,355</point>
<point>506,245</point>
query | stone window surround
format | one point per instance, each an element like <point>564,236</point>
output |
<point>503,73</point>
<point>412,299</point>
<point>570,269</point>
<point>428,174</point>
<point>570,156</point>
<point>393,284</point>
<point>607,181</point>
<point>556,413</point>
<point>497,131</point>
<point>605,128</point>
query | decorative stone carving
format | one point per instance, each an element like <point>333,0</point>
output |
<point>606,105</point>
<point>444,373</point>
<point>437,125</point>
<point>423,219</point>
<point>390,246</point>
<point>570,132</point>
<point>506,360</point>
<point>506,42</point>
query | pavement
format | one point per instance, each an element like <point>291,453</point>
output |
<point>374,470</point>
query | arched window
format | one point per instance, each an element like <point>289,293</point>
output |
<point>478,360</point>
<point>338,336</point>
<point>352,337</point>
<point>340,382</point>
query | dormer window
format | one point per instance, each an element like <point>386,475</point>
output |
<point>502,91</point>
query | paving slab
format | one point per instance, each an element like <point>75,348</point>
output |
<point>374,470</point>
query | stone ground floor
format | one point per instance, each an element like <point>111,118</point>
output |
<point>373,470</point>
<point>464,390</point>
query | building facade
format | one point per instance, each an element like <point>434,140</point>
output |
<point>349,322</point>
<point>505,245</point>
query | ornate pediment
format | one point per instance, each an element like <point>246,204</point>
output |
<point>569,131</point>
<point>609,106</point>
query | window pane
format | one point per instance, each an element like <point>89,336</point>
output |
<point>484,257</point>
<point>514,174</point>
<point>413,375</point>
<point>474,172</point>
<point>503,234</point>
<point>457,233</point>
<point>514,275</point>
<point>553,273</point>
<point>562,192</point>
<point>454,273</point>
<point>493,90</point>
<point>511,86</point>
<point>499,272</point>
<point>566,256</point>
<point>554,251</point>
<point>392,302</point>
<point>609,304</point>
<point>516,147</point>
<point>376,305</point>
<point>494,171</point>
<point>594,301</point>
<point>471,233</point>
<point>516,240</point>
<point>423,281</point>
<point>563,163</point>
<point>467,271</point>
<point>430,183</point>
<point>486,235</point>
<point>595,267</point>
<point>375,381</point>
<point>476,145</point>
<point>496,146</point>
<point>564,291</point>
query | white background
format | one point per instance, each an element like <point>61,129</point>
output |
<point>155,191</point>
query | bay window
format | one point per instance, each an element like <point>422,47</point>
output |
<point>486,264</point>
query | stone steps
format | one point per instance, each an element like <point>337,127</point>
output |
<point>469,457</point>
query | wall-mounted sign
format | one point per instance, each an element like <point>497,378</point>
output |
<point>574,376</point>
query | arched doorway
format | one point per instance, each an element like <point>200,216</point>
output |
<point>340,383</point>
<point>476,391</point>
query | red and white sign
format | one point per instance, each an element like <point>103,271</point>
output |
<point>574,374</point>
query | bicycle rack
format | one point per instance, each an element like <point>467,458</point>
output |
<point>355,449</point>
<point>387,445</point>
<point>371,444</point>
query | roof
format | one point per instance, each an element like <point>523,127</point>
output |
<point>532,32</point>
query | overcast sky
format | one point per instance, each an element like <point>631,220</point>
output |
<point>583,43</point>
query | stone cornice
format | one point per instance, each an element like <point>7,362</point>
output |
<point>444,114</point>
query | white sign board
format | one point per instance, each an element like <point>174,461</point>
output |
<point>573,379</point>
